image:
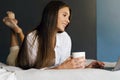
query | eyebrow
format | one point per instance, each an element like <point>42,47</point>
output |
<point>65,13</point>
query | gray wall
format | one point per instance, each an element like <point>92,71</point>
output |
<point>28,12</point>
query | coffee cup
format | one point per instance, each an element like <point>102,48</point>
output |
<point>78,54</point>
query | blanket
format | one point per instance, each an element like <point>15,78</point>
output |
<point>15,73</point>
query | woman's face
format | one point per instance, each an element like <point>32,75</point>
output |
<point>63,18</point>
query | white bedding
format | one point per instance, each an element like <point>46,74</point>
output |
<point>76,74</point>
<point>6,75</point>
<point>15,73</point>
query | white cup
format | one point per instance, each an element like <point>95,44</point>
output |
<point>78,54</point>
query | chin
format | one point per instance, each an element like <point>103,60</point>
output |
<point>60,31</point>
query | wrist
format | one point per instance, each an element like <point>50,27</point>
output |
<point>58,67</point>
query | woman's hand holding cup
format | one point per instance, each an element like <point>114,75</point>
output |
<point>79,59</point>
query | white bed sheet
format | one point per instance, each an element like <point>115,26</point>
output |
<point>73,74</point>
<point>67,74</point>
<point>6,75</point>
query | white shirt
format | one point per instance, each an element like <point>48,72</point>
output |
<point>62,48</point>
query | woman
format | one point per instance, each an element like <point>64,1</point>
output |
<point>48,45</point>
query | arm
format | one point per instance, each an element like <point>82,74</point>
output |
<point>78,63</point>
<point>72,63</point>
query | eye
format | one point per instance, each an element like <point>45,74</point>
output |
<point>64,15</point>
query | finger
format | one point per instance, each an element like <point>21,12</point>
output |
<point>101,64</point>
<point>80,65</point>
<point>97,64</point>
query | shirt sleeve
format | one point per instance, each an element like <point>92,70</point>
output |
<point>63,47</point>
<point>67,43</point>
<point>32,47</point>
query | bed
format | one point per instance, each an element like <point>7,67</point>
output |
<point>15,73</point>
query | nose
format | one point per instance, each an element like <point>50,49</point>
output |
<point>67,20</point>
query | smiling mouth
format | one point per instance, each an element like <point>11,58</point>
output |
<point>64,24</point>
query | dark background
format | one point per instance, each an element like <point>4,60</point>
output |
<point>28,12</point>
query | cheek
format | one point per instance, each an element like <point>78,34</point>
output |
<point>59,22</point>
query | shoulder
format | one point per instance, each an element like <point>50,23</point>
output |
<point>63,35</point>
<point>32,33</point>
<point>31,36</point>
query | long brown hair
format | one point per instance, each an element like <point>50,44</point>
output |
<point>45,34</point>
